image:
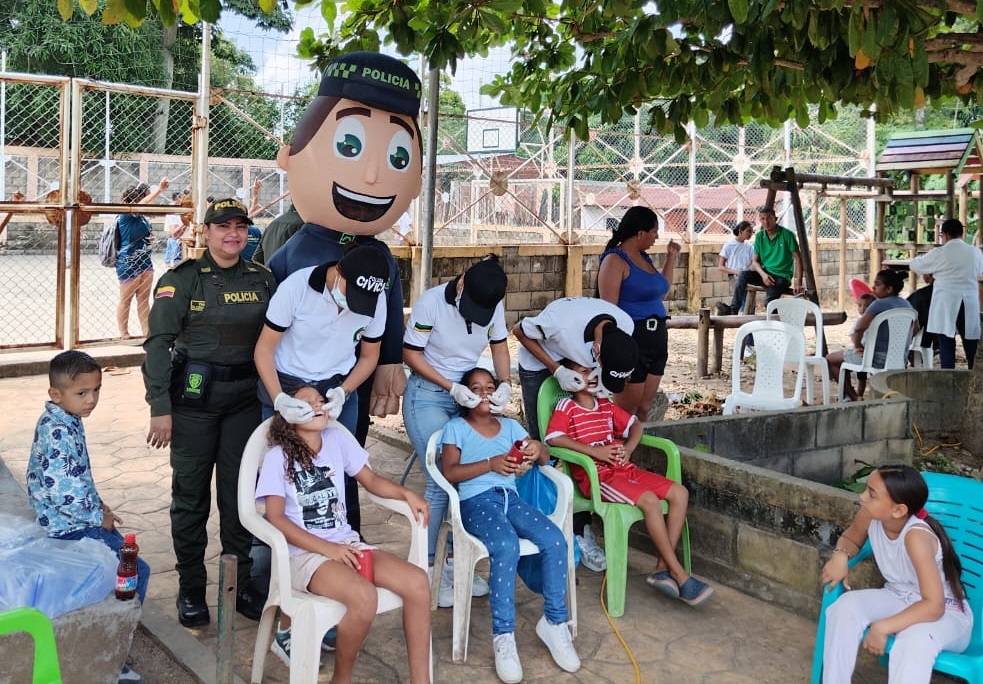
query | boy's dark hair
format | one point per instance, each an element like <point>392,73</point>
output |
<point>905,485</point>
<point>765,209</point>
<point>135,193</point>
<point>866,297</point>
<point>68,365</point>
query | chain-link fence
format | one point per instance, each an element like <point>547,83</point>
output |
<point>531,185</point>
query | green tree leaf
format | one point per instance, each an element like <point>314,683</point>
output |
<point>738,9</point>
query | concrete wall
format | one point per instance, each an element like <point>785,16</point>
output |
<point>539,274</point>
<point>938,407</point>
<point>763,518</point>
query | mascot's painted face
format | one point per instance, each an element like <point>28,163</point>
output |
<point>355,161</point>
<point>359,172</point>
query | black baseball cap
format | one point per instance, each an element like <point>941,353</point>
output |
<point>366,273</point>
<point>484,288</point>
<point>374,79</point>
<point>619,355</point>
<point>224,209</point>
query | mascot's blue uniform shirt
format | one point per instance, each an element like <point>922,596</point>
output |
<point>313,245</point>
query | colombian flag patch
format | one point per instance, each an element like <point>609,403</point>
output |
<point>165,291</point>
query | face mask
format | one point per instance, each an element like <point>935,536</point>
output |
<point>339,298</point>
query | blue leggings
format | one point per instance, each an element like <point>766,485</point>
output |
<point>498,517</point>
<point>114,540</point>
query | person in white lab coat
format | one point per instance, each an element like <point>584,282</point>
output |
<point>956,266</point>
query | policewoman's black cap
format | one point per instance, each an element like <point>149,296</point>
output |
<point>366,272</point>
<point>222,210</point>
<point>484,287</point>
<point>374,79</point>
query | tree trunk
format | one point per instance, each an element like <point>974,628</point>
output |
<point>163,110</point>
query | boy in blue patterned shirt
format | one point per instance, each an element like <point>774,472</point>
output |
<point>59,475</point>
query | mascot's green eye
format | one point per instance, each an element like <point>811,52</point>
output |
<point>400,159</point>
<point>350,146</point>
<point>349,139</point>
<point>398,152</point>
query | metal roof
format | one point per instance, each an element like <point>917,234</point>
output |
<point>956,150</point>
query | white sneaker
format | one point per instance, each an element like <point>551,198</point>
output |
<point>479,586</point>
<point>445,594</point>
<point>507,665</point>
<point>558,640</point>
<point>591,554</point>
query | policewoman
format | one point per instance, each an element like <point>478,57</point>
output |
<point>318,320</point>
<point>201,386</point>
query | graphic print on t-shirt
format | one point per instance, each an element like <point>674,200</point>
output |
<point>319,500</point>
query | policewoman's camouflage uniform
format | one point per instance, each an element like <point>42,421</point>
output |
<point>199,369</point>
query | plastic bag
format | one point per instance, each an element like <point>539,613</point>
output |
<point>16,530</point>
<point>538,490</point>
<point>56,575</point>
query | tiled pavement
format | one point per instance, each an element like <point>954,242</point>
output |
<point>733,639</point>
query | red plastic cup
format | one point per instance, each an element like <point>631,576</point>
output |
<point>367,570</point>
<point>515,455</point>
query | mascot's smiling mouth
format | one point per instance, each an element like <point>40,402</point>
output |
<point>359,207</point>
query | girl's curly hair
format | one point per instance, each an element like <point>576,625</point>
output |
<point>295,450</point>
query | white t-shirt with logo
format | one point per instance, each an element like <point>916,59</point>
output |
<point>562,329</point>
<point>315,500</point>
<point>447,341</point>
<point>318,342</point>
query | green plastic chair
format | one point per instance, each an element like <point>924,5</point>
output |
<point>37,624</point>
<point>617,518</point>
<point>955,502</point>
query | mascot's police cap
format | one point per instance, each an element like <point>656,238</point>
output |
<point>374,79</point>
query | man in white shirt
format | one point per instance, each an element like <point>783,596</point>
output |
<point>957,267</point>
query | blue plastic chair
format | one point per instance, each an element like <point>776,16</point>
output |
<point>957,503</point>
<point>37,624</point>
<point>617,518</point>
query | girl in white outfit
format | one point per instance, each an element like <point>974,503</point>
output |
<point>923,603</point>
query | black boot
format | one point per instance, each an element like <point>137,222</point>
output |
<point>250,602</point>
<point>192,611</point>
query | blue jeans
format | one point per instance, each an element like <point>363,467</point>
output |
<point>498,517</point>
<point>114,540</point>
<point>947,351</point>
<point>426,409</point>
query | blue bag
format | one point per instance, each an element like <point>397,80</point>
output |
<point>538,490</point>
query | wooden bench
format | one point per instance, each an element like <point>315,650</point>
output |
<point>703,322</point>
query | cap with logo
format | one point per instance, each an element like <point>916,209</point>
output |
<point>484,288</point>
<point>366,272</point>
<point>618,357</point>
<point>374,79</point>
<point>222,210</point>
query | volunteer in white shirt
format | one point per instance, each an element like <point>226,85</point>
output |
<point>956,266</point>
<point>589,332</point>
<point>449,327</point>
<point>315,321</point>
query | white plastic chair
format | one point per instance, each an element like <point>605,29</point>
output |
<point>312,615</point>
<point>468,549</point>
<point>773,342</point>
<point>796,312</point>
<point>900,323</point>
<point>921,357</point>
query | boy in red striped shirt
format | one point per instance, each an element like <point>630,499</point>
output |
<point>596,426</point>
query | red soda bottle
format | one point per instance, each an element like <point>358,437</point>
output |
<point>126,572</point>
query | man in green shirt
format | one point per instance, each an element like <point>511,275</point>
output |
<point>776,261</point>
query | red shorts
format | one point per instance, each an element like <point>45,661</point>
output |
<point>624,484</point>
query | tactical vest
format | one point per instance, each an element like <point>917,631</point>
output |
<point>225,314</point>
